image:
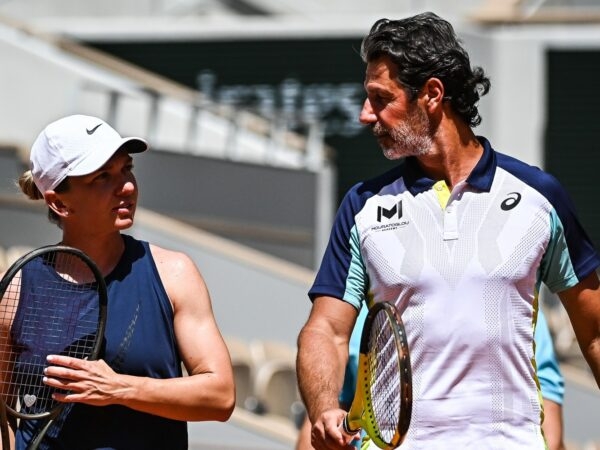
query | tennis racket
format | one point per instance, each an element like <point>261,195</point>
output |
<point>382,404</point>
<point>52,301</point>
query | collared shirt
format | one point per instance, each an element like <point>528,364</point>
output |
<point>464,269</point>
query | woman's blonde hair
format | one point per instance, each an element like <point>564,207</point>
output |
<point>32,192</point>
<point>28,186</point>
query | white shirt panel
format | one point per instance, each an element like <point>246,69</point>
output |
<point>460,299</point>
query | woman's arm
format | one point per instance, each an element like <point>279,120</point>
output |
<point>208,393</point>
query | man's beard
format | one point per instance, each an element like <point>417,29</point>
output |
<point>410,138</point>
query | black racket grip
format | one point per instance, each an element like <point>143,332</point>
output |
<point>346,427</point>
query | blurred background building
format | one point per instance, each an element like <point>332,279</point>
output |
<point>250,107</point>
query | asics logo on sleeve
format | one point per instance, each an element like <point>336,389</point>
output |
<point>511,201</point>
<point>93,130</point>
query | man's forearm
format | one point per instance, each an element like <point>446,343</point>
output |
<point>320,368</point>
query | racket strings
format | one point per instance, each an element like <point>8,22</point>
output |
<point>50,307</point>
<point>384,361</point>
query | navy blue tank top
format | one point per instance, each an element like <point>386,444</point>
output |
<point>140,340</point>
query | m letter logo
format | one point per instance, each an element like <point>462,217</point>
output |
<point>395,211</point>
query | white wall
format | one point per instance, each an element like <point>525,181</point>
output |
<point>40,82</point>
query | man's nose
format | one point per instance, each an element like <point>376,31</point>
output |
<point>367,116</point>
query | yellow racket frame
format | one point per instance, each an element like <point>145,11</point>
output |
<point>361,415</point>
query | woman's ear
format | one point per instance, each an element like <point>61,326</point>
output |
<point>56,204</point>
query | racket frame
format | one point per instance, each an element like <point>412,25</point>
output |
<point>361,415</point>
<point>7,280</point>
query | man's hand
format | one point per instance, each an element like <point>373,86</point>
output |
<point>327,432</point>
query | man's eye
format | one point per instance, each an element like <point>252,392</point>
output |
<point>379,99</point>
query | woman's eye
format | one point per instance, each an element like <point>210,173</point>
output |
<point>102,176</point>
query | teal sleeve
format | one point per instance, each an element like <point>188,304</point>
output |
<point>349,386</point>
<point>548,371</point>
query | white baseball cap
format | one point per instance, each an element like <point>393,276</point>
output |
<point>73,146</point>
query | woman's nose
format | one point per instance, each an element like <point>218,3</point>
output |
<point>127,188</point>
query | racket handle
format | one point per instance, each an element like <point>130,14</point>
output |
<point>347,428</point>
<point>37,440</point>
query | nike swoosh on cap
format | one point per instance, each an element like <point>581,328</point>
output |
<point>93,129</point>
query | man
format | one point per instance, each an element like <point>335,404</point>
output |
<point>552,384</point>
<point>460,238</point>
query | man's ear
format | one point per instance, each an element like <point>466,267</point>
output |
<point>55,203</point>
<point>433,92</point>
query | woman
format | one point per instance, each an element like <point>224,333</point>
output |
<point>159,310</point>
